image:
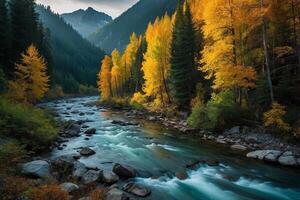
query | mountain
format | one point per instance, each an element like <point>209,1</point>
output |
<point>75,60</point>
<point>116,34</point>
<point>87,21</point>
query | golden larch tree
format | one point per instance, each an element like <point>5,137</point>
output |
<point>156,63</point>
<point>31,82</point>
<point>104,79</point>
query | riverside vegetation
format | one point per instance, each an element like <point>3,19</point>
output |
<point>210,66</point>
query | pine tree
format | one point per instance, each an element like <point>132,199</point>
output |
<point>24,26</point>
<point>183,57</point>
<point>4,36</point>
<point>31,82</point>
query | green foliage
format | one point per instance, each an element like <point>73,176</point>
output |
<point>3,81</point>
<point>55,92</point>
<point>87,90</point>
<point>220,112</point>
<point>11,153</point>
<point>31,126</point>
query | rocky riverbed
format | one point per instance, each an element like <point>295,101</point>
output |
<point>134,158</point>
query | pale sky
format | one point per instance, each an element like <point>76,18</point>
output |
<point>111,7</point>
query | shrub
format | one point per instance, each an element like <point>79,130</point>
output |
<point>274,117</point>
<point>220,112</point>
<point>87,90</point>
<point>29,125</point>
<point>55,92</point>
<point>49,192</point>
<point>14,187</point>
<point>138,100</point>
<point>98,194</point>
<point>3,81</point>
<point>11,153</point>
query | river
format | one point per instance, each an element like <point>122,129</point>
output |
<point>158,153</point>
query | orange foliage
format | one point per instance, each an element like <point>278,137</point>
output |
<point>49,192</point>
<point>98,194</point>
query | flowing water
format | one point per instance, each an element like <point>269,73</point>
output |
<point>157,154</point>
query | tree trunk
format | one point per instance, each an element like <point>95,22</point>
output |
<point>266,52</point>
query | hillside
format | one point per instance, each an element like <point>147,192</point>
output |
<point>75,59</point>
<point>116,34</point>
<point>86,21</point>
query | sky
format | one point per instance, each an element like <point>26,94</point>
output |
<point>111,7</point>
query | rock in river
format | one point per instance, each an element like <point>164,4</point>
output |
<point>116,194</point>
<point>90,131</point>
<point>238,147</point>
<point>36,169</point>
<point>87,151</point>
<point>109,177</point>
<point>136,189</point>
<point>124,171</point>
<point>287,159</point>
<point>91,176</point>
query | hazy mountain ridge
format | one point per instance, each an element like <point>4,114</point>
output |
<point>116,34</point>
<point>75,59</point>
<point>86,21</point>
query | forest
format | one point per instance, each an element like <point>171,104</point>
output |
<point>225,63</point>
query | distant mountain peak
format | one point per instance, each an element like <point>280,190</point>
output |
<point>87,21</point>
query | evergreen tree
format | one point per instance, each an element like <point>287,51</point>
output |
<point>4,35</point>
<point>182,76</point>
<point>24,26</point>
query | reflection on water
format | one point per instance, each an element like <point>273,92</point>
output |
<point>158,154</point>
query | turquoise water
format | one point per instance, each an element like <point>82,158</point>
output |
<point>157,154</point>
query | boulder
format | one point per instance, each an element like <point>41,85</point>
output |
<point>69,187</point>
<point>233,131</point>
<point>181,175</point>
<point>124,171</point>
<point>79,170</point>
<point>87,151</point>
<point>64,164</point>
<point>124,123</point>
<point>212,163</point>
<point>116,194</point>
<point>136,189</point>
<point>109,177</point>
<point>36,169</point>
<point>73,130</point>
<point>272,156</point>
<point>91,176</point>
<point>90,131</point>
<point>259,154</point>
<point>238,147</point>
<point>252,139</point>
<point>289,160</point>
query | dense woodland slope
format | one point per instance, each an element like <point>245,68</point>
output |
<point>116,34</point>
<point>75,60</point>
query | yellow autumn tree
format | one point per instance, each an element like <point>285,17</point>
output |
<point>224,32</point>
<point>31,82</point>
<point>156,63</point>
<point>128,60</point>
<point>104,79</point>
<point>274,117</point>
<point>116,74</point>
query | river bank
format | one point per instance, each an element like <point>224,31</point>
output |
<point>129,157</point>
